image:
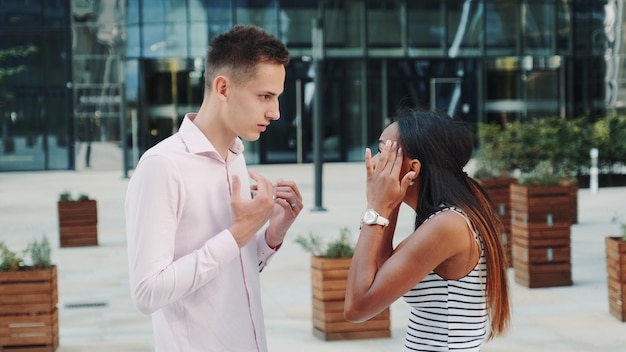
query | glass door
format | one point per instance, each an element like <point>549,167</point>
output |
<point>170,89</point>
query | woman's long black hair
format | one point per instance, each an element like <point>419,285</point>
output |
<point>444,146</point>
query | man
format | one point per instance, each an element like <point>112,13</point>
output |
<point>195,239</point>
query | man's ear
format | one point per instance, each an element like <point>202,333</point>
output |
<point>220,86</point>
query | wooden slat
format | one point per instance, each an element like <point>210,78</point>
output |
<point>30,330</point>
<point>328,281</point>
<point>78,223</point>
<point>28,291</point>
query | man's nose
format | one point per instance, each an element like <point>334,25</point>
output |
<point>274,113</point>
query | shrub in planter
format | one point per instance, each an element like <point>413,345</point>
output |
<point>609,136</point>
<point>494,174</point>
<point>547,154</point>
<point>330,264</point>
<point>541,226</point>
<point>78,220</point>
<point>28,298</point>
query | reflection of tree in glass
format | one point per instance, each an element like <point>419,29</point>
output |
<point>14,53</point>
<point>11,63</point>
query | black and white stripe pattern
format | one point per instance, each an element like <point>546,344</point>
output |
<point>448,315</point>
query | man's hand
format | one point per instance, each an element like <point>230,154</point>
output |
<point>288,206</point>
<point>250,215</point>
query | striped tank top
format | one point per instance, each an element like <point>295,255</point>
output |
<point>449,315</point>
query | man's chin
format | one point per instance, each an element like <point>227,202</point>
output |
<point>251,137</point>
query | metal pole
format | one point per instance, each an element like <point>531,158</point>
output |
<point>299,121</point>
<point>318,131</point>
<point>121,79</point>
<point>593,172</point>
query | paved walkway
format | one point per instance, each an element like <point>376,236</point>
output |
<point>96,313</point>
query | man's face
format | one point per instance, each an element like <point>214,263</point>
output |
<point>254,103</point>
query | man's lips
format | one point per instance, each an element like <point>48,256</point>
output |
<point>262,128</point>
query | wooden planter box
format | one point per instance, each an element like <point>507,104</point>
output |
<point>328,280</point>
<point>573,203</point>
<point>29,319</point>
<point>540,227</point>
<point>499,191</point>
<point>616,270</point>
<point>78,223</point>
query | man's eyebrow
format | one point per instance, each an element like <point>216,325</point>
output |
<point>267,92</point>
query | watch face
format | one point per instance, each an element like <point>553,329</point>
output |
<point>369,217</point>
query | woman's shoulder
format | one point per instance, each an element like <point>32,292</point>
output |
<point>448,217</point>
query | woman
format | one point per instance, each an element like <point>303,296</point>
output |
<point>452,269</point>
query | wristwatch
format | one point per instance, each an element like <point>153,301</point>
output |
<point>371,217</point>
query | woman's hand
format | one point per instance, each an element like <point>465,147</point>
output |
<point>385,189</point>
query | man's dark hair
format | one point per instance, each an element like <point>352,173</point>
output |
<point>238,51</point>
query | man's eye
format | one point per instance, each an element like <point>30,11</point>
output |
<point>379,151</point>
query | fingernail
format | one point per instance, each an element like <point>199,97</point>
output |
<point>387,143</point>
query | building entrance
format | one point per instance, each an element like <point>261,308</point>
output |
<point>170,88</point>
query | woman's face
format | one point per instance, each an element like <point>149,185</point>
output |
<point>391,133</point>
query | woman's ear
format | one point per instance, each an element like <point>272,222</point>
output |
<point>416,166</point>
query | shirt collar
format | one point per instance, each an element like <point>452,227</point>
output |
<point>197,142</point>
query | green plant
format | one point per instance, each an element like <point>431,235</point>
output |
<point>9,260</point>
<point>339,248</point>
<point>545,151</point>
<point>490,160</point>
<point>609,136</point>
<point>66,196</point>
<point>83,197</point>
<point>544,175</point>
<point>40,253</point>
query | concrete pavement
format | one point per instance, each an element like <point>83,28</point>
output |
<point>96,313</point>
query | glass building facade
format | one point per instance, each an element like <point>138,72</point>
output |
<point>84,82</point>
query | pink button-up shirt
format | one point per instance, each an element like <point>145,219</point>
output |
<point>185,267</point>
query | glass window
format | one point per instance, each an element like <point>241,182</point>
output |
<point>565,19</point>
<point>542,93</point>
<point>260,13</point>
<point>539,28</point>
<point>295,22</point>
<point>162,40</point>
<point>34,101</point>
<point>503,93</point>
<point>589,86</point>
<point>132,11</point>
<point>425,24</point>
<point>464,26</point>
<point>502,28</point>
<point>164,11</point>
<point>198,39</point>
<point>383,24</point>
<point>343,24</point>
<point>133,49</point>
<point>344,97</point>
<point>219,16</point>
<point>591,34</point>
